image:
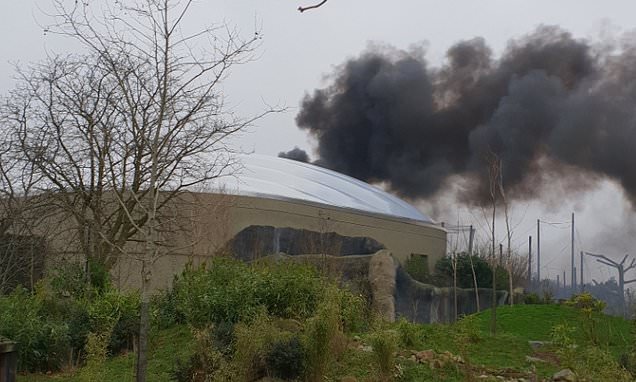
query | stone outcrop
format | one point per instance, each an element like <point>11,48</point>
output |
<point>382,272</point>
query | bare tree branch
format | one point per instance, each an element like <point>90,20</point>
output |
<point>303,9</point>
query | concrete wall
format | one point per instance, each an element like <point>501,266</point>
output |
<point>199,226</point>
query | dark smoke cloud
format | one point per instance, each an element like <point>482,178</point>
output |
<point>551,107</point>
<point>296,154</point>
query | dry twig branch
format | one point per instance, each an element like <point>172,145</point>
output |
<point>303,9</point>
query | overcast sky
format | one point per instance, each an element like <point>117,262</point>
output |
<point>298,50</point>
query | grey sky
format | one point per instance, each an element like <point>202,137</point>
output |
<point>299,49</point>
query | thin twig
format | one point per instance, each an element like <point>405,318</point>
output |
<point>303,9</point>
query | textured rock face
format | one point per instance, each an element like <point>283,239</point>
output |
<point>424,303</point>
<point>256,240</point>
<point>382,272</point>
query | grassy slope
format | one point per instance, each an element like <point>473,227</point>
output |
<point>516,326</point>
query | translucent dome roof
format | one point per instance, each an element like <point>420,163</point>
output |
<point>285,179</point>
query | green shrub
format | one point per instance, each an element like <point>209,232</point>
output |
<point>443,274</point>
<point>53,324</point>
<point>417,267</point>
<point>69,279</point>
<point>228,290</point>
<point>408,333</point>
<point>321,332</point>
<point>43,344</point>
<point>532,299</point>
<point>253,339</point>
<point>223,337</point>
<point>164,311</point>
<point>384,344</point>
<point>354,310</point>
<point>590,362</point>
<point>205,364</point>
<point>589,307</point>
<point>220,291</point>
<point>286,359</point>
<point>288,290</point>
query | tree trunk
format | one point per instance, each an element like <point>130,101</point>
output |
<point>144,326</point>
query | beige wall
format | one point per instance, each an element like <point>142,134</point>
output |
<point>214,219</point>
<point>200,225</point>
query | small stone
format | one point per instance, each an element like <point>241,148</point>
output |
<point>565,375</point>
<point>536,344</point>
<point>366,348</point>
<point>533,359</point>
<point>425,355</point>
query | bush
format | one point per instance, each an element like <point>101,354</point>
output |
<point>223,337</point>
<point>443,274</point>
<point>384,344</point>
<point>286,359</point>
<point>586,302</point>
<point>164,311</point>
<point>221,291</point>
<point>288,290</point>
<point>417,267</point>
<point>354,311</point>
<point>252,342</point>
<point>532,299</point>
<point>43,344</point>
<point>589,307</point>
<point>592,362</point>
<point>408,333</point>
<point>228,290</point>
<point>321,333</point>
<point>53,324</point>
<point>205,364</point>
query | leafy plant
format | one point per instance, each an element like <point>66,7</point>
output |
<point>205,364</point>
<point>589,307</point>
<point>286,359</point>
<point>384,344</point>
<point>408,333</point>
<point>443,274</point>
<point>227,290</point>
<point>321,332</point>
<point>417,267</point>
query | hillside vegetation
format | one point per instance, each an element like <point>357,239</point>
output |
<point>230,321</point>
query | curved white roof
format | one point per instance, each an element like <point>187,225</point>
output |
<point>279,178</point>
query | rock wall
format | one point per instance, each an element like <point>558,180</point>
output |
<point>426,303</point>
<point>392,291</point>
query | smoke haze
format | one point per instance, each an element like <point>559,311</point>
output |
<point>552,108</point>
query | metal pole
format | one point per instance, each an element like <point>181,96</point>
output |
<point>564,280</point>
<point>471,238</point>
<point>539,251</point>
<point>529,262</point>
<point>581,282</point>
<point>573,277</point>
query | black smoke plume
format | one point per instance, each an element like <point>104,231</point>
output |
<point>296,154</point>
<point>550,107</point>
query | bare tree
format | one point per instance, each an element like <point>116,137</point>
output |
<point>120,131</point>
<point>494,184</point>
<point>506,206</point>
<point>21,246</point>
